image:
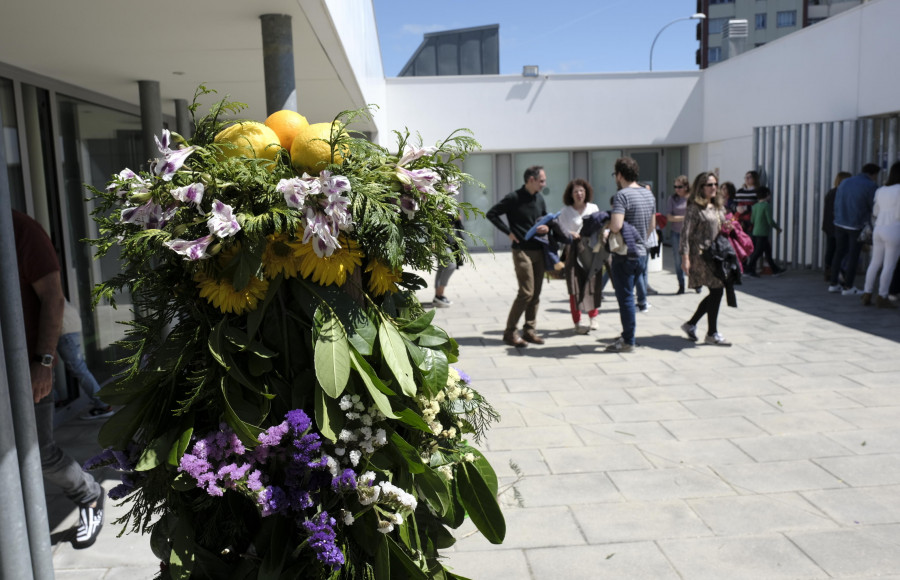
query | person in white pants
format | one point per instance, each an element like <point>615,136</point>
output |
<point>885,240</point>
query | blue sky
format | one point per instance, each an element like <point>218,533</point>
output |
<point>571,36</point>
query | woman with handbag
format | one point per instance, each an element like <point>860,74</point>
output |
<point>703,221</point>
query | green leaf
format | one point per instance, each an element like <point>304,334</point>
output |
<point>413,419</point>
<point>382,560</point>
<point>433,336</point>
<point>363,335</point>
<point>118,431</point>
<point>329,419</point>
<point>415,353</point>
<point>246,432</point>
<point>481,505</point>
<point>242,340</point>
<point>274,537</point>
<point>180,446</point>
<point>399,556</point>
<point>153,453</point>
<point>181,559</point>
<point>217,341</point>
<point>393,351</point>
<point>255,317</point>
<point>408,452</point>
<point>419,324</point>
<point>435,369</point>
<point>332,354</point>
<point>486,470</point>
<point>373,384</point>
<point>434,489</point>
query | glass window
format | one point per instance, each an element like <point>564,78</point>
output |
<point>603,163</point>
<point>716,25</point>
<point>786,19</point>
<point>97,143</point>
<point>556,166</point>
<point>481,168</point>
<point>761,21</point>
<point>721,1</point>
<point>10,144</point>
<point>714,54</point>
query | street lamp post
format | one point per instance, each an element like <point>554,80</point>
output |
<point>697,16</point>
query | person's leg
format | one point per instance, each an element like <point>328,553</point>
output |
<point>841,243</point>
<point>829,255</point>
<point>573,308</point>
<point>57,467</point>
<point>876,263</point>
<point>675,239</point>
<point>69,349</point>
<point>524,277</point>
<point>537,274</point>
<point>754,257</point>
<point>640,289</point>
<point>854,249</point>
<point>624,271</point>
<point>891,237</point>
<point>702,309</point>
<point>767,253</point>
<point>712,310</point>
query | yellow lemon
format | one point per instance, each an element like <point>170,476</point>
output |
<point>286,123</point>
<point>311,150</point>
<point>252,139</point>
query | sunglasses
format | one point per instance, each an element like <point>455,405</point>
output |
<point>710,185</point>
<point>680,186</point>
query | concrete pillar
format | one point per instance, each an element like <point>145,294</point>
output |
<point>183,119</point>
<point>278,62</point>
<point>151,118</point>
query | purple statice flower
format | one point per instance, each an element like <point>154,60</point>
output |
<point>254,480</point>
<point>222,221</point>
<point>273,435</point>
<point>191,249</point>
<point>105,457</point>
<point>297,420</point>
<point>233,471</point>
<point>345,481</point>
<point>192,193</point>
<point>273,501</point>
<point>322,540</point>
<point>297,189</point>
<point>465,377</point>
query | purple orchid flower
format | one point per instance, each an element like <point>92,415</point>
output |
<point>163,144</point>
<point>423,180</point>
<point>222,221</point>
<point>148,215</point>
<point>192,193</point>
<point>409,205</point>
<point>166,167</point>
<point>191,249</point>
<point>410,154</point>
<point>319,230</point>
<point>297,189</point>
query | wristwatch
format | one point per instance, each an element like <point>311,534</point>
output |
<point>45,359</point>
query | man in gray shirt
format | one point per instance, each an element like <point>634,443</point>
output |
<point>634,215</point>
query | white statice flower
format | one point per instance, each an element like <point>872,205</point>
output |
<point>333,467</point>
<point>346,403</point>
<point>398,519</point>
<point>470,457</point>
<point>352,416</point>
<point>446,472</point>
<point>339,451</point>
<point>385,527</point>
<point>365,419</point>
<point>367,446</point>
<point>347,518</point>
<point>347,435</point>
<point>367,493</point>
<point>441,397</point>
<point>469,394</point>
<point>366,432</point>
<point>355,456</point>
<point>358,406</point>
<point>453,377</point>
<point>436,427</point>
<point>380,437</point>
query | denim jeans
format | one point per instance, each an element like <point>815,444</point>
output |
<point>846,245</point>
<point>675,239</point>
<point>69,349</point>
<point>625,272</point>
<point>57,467</point>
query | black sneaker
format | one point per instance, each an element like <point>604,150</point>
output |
<point>441,302</point>
<point>90,521</point>
<point>98,413</point>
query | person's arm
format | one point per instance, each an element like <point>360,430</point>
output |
<point>652,225</point>
<point>616,221</point>
<point>771,218</point>
<point>53,303</point>
<point>684,247</point>
<point>493,215</point>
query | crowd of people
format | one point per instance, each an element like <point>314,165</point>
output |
<point>717,233</point>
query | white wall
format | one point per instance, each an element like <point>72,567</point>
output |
<point>514,113</point>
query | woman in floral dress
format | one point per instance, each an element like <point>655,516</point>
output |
<point>702,222</point>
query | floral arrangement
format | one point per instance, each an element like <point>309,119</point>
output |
<point>288,408</point>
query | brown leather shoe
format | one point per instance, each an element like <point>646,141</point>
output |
<point>532,337</point>
<point>880,302</point>
<point>866,298</point>
<point>511,337</point>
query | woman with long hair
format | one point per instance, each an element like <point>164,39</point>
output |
<point>885,240</point>
<point>702,223</point>
<point>584,289</point>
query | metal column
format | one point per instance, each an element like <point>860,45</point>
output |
<point>183,119</point>
<point>278,62</point>
<point>151,117</point>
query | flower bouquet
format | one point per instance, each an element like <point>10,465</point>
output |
<point>288,409</point>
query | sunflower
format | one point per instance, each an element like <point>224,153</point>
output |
<point>280,257</point>
<point>331,269</point>
<point>221,293</point>
<point>383,279</point>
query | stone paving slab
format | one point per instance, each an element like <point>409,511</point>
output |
<point>776,458</point>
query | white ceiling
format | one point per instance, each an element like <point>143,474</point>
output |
<point>107,46</point>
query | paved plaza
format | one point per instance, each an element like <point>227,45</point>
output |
<point>778,457</point>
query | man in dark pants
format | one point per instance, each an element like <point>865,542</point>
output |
<point>42,308</point>
<point>523,208</point>
<point>853,204</point>
<point>635,206</point>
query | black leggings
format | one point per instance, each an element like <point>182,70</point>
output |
<point>710,307</point>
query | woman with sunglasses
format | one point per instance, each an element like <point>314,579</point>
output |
<point>675,220</point>
<point>702,222</point>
